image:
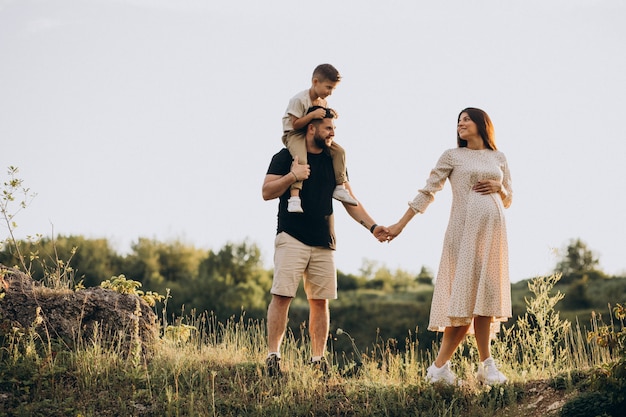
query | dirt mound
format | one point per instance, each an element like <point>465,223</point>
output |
<point>71,317</point>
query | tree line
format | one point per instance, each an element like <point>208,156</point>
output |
<point>376,304</point>
<point>224,282</point>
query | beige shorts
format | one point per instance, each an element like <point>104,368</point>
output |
<point>294,261</point>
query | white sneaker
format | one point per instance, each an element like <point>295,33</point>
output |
<point>294,206</point>
<point>344,196</point>
<point>489,374</point>
<point>443,374</point>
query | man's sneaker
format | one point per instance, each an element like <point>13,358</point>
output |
<point>321,366</point>
<point>489,374</point>
<point>344,196</point>
<point>273,366</point>
<point>443,374</point>
<point>294,206</point>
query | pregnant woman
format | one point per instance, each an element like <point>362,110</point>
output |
<point>472,292</point>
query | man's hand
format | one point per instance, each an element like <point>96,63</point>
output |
<point>381,233</point>
<point>302,171</point>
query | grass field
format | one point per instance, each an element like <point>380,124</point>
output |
<point>207,368</point>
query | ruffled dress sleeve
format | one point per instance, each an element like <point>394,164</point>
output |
<point>435,182</point>
<point>507,189</point>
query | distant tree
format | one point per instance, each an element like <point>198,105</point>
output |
<point>382,280</point>
<point>578,258</point>
<point>425,276</point>
<point>144,263</point>
<point>576,297</point>
<point>347,282</point>
<point>88,260</point>
<point>158,264</point>
<point>233,280</point>
<point>403,280</point>
<point>94,260</point>
<point>578,261</point>
<point>368,268</point>
<point>163,266</point>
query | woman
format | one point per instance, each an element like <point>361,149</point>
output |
<point>472,291</point>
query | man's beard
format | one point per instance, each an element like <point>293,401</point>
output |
<point>320,142</point>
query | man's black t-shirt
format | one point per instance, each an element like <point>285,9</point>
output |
<point>314,227</point>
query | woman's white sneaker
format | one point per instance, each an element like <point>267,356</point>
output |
<point>443,374</point>
<point>489,374</point>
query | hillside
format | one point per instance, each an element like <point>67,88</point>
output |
<point>203,367</point>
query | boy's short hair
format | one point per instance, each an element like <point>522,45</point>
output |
<point>326,72</point>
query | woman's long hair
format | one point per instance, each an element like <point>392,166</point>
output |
<point>484,125</point>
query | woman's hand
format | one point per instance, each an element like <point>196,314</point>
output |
<point>394,230</point>
<point>487,187</point>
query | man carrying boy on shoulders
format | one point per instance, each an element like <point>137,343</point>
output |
<point>305,242</point>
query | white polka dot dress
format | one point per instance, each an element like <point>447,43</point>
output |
<point>473,275</point>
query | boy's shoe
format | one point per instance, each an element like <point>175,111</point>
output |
<point>321,366</point>
<point>443,374</point>
<point>273,366</point>
<point>489,374</point>
<point>344,196</point>
<point>294,206</point>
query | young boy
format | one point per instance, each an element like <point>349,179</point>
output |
<point>325,80</point>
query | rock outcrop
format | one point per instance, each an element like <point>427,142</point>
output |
<point>69,318</point>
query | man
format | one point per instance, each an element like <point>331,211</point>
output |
<point>305,242</point>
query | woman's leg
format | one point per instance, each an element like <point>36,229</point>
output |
<point>482,328</point>
<point>488,372</point>
<point>452,337</point>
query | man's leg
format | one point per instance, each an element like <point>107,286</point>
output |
<point>277,314</point>
<point>319,325</point>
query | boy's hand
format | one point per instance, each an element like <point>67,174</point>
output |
<point>318,113</point>
<point>302,171</point>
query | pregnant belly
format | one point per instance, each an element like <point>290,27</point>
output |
<point>484,208</point>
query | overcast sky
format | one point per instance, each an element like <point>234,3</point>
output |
<point>158,118</point>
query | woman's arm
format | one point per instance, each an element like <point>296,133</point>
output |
<point>396,229</point>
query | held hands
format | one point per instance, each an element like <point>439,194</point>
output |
<point>394,230</point>
<point>387,234</point>
<point>301,171</point>
<point>487,187</point>
<point>381,233</point>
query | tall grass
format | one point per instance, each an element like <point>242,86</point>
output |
<point>204,367</point>
<point>541,345</point>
